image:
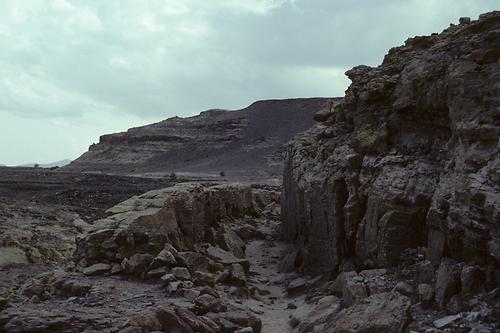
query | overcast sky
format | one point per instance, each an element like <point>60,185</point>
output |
<point>71,70</point>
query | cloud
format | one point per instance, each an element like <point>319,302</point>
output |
<point>126,62</point>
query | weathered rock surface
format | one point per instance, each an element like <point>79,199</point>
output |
<point>244,142</point>
<point>385,312</point>
<point>181,216</point>
<point>409,158</point>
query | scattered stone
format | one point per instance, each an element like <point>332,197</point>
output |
<point>209,291</point>
<point>181,273</point>
<point>195,261</point>
<point>326,308</point>
<point>404,288</point>
<point>169,277</point>
<point>164,258</point>
<point>226,258</point>
<point>248,232</point>
<point>425,292</point>
<point>208,303</point>
<point>116,269</point>
<point>384,312</point>
<point>223,277</point>
<point>425,271</point>
<point>138,264</point>
<point>244,330</point>
<point>191,294</point>
<point>353,287</point>
<point>97,269</point>
<point>203,279</point>
<point>446,321</point>
<point>471,280</point>
<point>238,276</point>
<point>447,281</point>
<point>157,272</point>
<point>243,319</point>
<point>296,286</point>
<point>298,316</point>
<point>229,240</point>
<point>373,273</point>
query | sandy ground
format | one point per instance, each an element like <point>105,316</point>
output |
<point>272,308</point>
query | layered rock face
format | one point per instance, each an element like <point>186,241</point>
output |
<point>410,158</point>
<point>247,141</point>
<point>185,216</point>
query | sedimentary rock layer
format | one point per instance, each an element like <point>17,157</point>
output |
<point>246,141</point>
<point>184,216</point>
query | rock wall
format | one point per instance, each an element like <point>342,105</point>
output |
<point>410,158</point>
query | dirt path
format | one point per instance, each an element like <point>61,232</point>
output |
<point>271,300</point>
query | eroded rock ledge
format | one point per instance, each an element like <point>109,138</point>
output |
<point>408,160</point>
<point>186,217</point>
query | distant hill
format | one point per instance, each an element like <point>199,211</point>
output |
<point>249,141</point>
<point>47,165</point>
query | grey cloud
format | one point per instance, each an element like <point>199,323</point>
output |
<point>89,60</point>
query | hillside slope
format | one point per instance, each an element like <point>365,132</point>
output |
<point>246,141</point>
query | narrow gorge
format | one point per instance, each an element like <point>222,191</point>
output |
<point>387,219</point>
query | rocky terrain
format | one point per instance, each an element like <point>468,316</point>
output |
<point>242,143</point>
<point>387,220</point>
<point>403,175</point>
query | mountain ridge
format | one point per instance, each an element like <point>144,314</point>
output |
<point>245,141</point>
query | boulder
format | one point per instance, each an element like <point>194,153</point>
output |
<point>229,240</point>
<point>181,273</point>
<point>157,272</point>
<point>226,258</point>
<point>404,288</point>
<point>425,293</point>
<point>296,286</point>
<point>97,269</point>
<point>446,321</point>
<point>238,276</point>
<point>353,288</point>
<point>164,258</point>
<point>138,264</point>
<point>203,279</point>
<point>327,307</point>
<point>447,281</point>
<point>384,312</point>
<point>243,319</point>
<point>208,303</point>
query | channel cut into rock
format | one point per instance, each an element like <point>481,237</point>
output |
<point>387,220</point>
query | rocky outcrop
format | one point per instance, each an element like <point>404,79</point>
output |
<point>248,142</point>
<point>409,159</point>
<point>182,217</point>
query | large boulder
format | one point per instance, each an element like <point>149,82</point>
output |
<point>384,312</point>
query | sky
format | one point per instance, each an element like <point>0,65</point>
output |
<point>72,70</point>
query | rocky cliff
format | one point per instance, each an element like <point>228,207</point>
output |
<point>408,160</point>
<point>246,141</point>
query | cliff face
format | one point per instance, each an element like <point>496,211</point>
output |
<point>410,158</point>
<point>247,141</point>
